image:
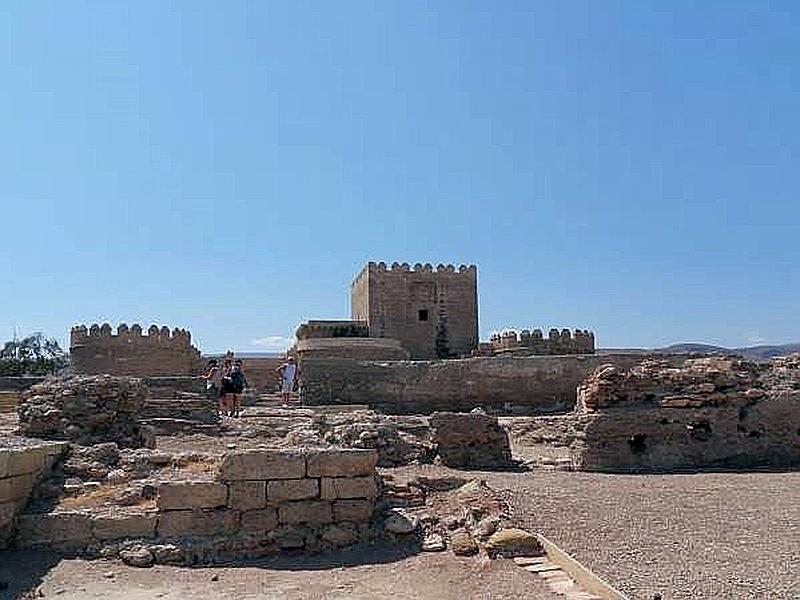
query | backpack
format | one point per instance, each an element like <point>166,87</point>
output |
<point>237,381</point>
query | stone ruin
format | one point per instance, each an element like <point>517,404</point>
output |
<point>716,412</point>
<point>86,409</point>
<point>470,440</point>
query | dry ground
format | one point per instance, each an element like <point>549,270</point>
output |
<point>368,575</point>
<point>698,536</point>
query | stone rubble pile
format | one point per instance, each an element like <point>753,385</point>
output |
<point>467,517</point>
<point>84,409</point>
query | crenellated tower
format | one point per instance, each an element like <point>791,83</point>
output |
<point>433,312</point>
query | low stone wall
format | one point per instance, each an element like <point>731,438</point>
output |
<point>23,462</point>
<point>261,502</point>
<point>19,384</point>
<point>524,385</point>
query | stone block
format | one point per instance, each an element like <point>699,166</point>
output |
<point>260,520</point>
<point>5,459</point>
<point>332,488</point>
<point>176,495</point>
<point>357,511</point>
<point>247,495</point>
<point>305,511</point>
<point>342,463</point>
<point>27,460</point>
<point>178,523</point>
<point>292,489</point>
<point>16,488</point>
<point>7,512</point>
<point>262,465</point>
<point>124,523</point>
<point>339,535</point>
<point>53,529</point>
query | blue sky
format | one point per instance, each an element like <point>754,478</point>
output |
<point>629,167</point>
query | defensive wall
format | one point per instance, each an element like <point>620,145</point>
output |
<point>528,342</point>
<point>524,385</point>
<point>97,350</point>
<point>432,312</point>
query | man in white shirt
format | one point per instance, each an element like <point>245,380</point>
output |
<point>288,371</point>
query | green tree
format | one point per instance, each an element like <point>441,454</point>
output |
<point>32,355</point>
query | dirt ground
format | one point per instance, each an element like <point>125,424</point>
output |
<point>357,574</point>
<point>685,536</point>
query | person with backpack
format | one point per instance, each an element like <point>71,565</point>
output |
<point>237,384</point>
<point>225,388</point>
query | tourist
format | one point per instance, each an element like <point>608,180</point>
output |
<point>225,388</point>
<point>213,379</point>
<point>289,373</point>
<point>237,385</point>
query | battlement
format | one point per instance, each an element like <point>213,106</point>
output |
<point>403,268</point>
<point>563,341</point>
<point>128,351</point>
<point>81,334</point>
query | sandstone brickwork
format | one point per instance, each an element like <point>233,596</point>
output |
<point>97,350</point>
<point>23,462</point>
<point>432,312</point>
<point>259,502</point>
<point>85,408</point>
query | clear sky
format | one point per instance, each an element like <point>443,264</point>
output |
<point>629,167</point>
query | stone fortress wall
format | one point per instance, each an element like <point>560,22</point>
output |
<point>511,384</point>
<point>432,312</point>
<point>528,342</point>
<point>161,352</point>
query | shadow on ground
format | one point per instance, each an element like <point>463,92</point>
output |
<point>23,571</point>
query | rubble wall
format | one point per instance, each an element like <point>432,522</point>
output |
<point>85,408</point>
<point>261,502</point>
<point>712,412</point>
<point>22,464</point>
<point>525,385</point>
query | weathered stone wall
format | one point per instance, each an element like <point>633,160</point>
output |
<point>524,385</point>
<point>712,412</point>
<point>23,462</point>
<point>433,312</point>
<point>261,502</point>
<point>351,348</point>
<point>533,342</point>
<point>332,329</point>
<point>97,350</point>
<point>85,408</point>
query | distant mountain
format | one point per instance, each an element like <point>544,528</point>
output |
<point>754,353</point>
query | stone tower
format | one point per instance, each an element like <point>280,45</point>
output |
<point>432,312</point>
